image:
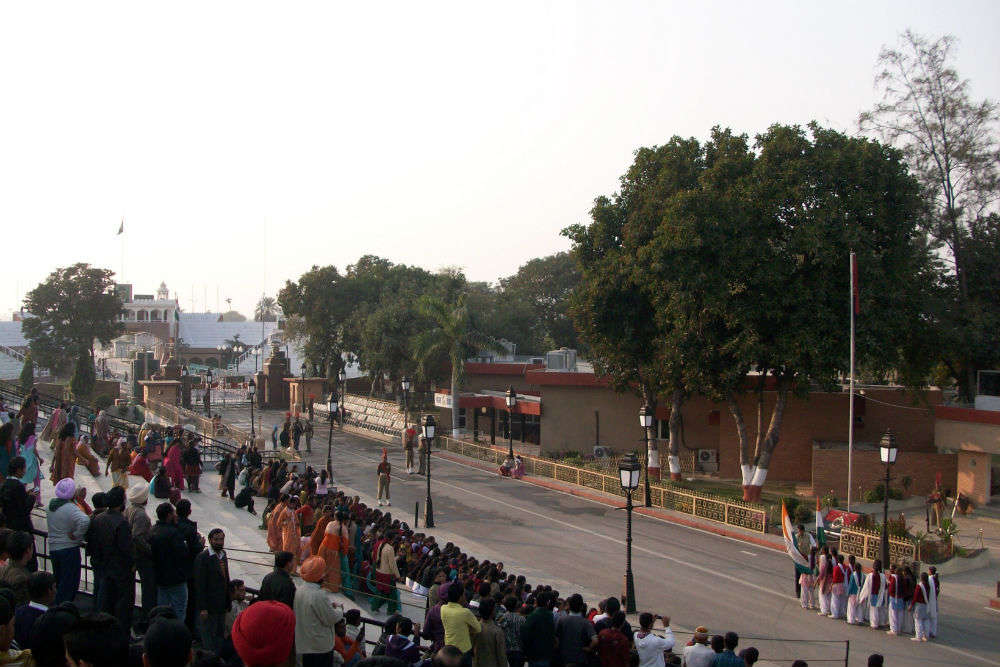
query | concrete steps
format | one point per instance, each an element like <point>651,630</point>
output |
<point>373,414</point>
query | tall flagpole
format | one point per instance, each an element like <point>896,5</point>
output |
<point>850,428</point>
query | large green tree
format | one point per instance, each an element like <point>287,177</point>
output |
<point>71,309</point>
<point>454,333</point>
<point>748,272</point>
<point>532,305</point>
<point>612,311</point>
<point>321,315</point>
<point>952,145</point>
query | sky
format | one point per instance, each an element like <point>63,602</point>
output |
<point>245,142</point>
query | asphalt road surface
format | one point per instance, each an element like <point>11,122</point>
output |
<point>695,577</point>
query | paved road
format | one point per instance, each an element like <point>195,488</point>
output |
<point>695,577</point>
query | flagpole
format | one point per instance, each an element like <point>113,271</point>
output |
<point>850,428</point>
<point>121,233</point>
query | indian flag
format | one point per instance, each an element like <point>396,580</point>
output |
<point>787,532</point>
<point>820,525</point>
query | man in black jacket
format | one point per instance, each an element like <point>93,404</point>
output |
<point>277,584</point>
<point>109,541</point>
<point>195,543</point>
<point>15,501</point>
<point>211,576</point>
<point>169,560</point>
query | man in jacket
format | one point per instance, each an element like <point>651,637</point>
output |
<point>538,634</point>
<point>195,544</point>
<point>16,501</point>
<point>169,556</point>
<point>211,577</point>
<point>67,525</point>
<point>141,528</point>
<point>109,541</point>
<point>278,584</point>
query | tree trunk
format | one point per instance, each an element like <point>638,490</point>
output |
<point>674,424</point>
<point>741,432</point>
<point>652,451</point>
<point>455,428</point>
<point>763,460</point>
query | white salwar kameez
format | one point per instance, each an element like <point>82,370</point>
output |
<point>932,607</point>
<point>921,614</point>
<point>854,590</point>
<point>876,603</point>
<point>822,581</point>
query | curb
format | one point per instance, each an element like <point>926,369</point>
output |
<point>606,500</point>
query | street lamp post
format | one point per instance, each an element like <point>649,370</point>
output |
<point>628,471</point>
<point>251,391</point>
<point>342,377</point>
<point>405,384</point>
<point>511,403</point>
<point>208,394</point>
<point>184,387</point>
<point>646,417</point>
<point>329,442</point>
<point>888,452</point>
<point>429,426</point>
<point>302,389</point>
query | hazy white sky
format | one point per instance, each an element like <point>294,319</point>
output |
<point>244,142</point>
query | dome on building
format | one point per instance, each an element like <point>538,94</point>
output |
<point>162,294</point>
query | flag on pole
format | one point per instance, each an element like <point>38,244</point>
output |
<point>854,284</point>
<point>786,532</point>
<point>820,525</point>
<point>121,227</point>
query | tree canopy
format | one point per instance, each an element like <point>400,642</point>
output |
<point>71,309</point>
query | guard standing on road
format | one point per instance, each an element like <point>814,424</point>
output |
<point>384,470</point>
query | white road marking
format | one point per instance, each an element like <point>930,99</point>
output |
<point>748,553</point>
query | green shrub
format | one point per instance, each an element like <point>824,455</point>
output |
<point>103,402</point>
<point>873,495</point>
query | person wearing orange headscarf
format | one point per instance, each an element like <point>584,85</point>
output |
<point>384,471</point>
<point>335,542</point>
<point>291,532</point>
<point>274,520</point>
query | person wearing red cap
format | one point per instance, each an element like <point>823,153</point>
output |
<point>264,635</point>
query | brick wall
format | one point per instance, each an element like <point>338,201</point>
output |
<point>829,471</point>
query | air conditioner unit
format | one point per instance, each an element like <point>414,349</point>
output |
<point>708,456</point>
<point>602,452</point>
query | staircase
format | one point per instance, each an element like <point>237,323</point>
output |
<point>11,363</point>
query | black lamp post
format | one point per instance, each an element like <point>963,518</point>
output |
<point>888,452</point>
<point>405,384</point>
<point>208,393</point>
<point>629,469</point>
<point>185,391</point>
<point>251,391</point>
<point>342,376</point>
<point>646,418</point>
<point>511,403</point>
<point>302,388</point>
<point>429,426</point>
<point>329,442</point>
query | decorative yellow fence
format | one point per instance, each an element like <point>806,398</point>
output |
<point>751,516</point>
<point>867,544</point>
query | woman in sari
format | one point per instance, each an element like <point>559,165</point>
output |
<point>140,466</point>
<point>102,433</point>
<point>85,456</point>
<point>274,520</point>
<point>172,461</point>
<point>346,576</point>
<point>64,454</point>
<point>291,533</point>
<point>319,530</point>
<point>55,424</point>
<point>334,543</point>
<point>28,448</point>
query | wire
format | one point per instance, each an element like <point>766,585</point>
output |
<point>895,405</point>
